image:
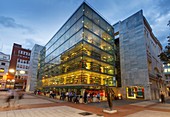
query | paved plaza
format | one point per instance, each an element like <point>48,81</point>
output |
<point>59,111</point>
<point>40,106</point>
<point>150,113</point>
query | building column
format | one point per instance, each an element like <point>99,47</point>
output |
<point>64,80</point>
<point>102,81</point>
<point>147,92</point>
<point>88,79</point>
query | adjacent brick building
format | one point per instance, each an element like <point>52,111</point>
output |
<point>19,63</point>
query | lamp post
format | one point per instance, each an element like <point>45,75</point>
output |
<point>24,81</point>
<point>11,70</point>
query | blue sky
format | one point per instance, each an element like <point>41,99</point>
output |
<point>27,22</point>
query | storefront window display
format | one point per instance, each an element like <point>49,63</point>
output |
<point>135,92</point>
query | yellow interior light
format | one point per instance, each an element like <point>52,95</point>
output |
<point>119,94</point>
<point>1,70</point>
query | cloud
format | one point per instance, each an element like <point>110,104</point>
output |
<point>9,22</point>
<point>164,6</point>
<point>160,28</point>
<point>29,43</point>
<point>158,17</point>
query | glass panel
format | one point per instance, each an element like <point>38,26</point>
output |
<point>88,24</point>
<point>66,26</point>
<point>88,12</point>
<point>96,18</point>
<point>93,39</point>
<point>98,31</point>
<point>65,37</point>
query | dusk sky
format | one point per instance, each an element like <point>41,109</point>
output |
<point>29,22</point>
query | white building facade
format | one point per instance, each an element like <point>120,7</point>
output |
<point>167,77</point>
<point>4,65</point>
<point>32,79</point>
<point>141,69</point>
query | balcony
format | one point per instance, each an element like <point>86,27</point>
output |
<point>153,75</point>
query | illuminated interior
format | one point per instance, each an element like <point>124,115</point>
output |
<point>79,77</point>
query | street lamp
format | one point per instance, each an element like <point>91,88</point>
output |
<point>24,81</point>
<point>11,70</point>
<point>22,72</point>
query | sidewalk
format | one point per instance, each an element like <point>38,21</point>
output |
<point>139,108</point>
<point>39,106</point>
<point>59,111</point>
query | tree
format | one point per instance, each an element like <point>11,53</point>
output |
<point>165,55</point>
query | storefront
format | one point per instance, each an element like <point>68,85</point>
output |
<point>135,92</point>
<point>77,88</point>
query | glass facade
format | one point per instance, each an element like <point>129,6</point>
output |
<point>81,52</point>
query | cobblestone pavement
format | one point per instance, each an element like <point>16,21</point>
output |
<point>40,106</point>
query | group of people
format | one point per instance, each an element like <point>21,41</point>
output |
<point>72,96</point>
<point>77,98</point>
<point>91,97</point>
<point>14,94</point>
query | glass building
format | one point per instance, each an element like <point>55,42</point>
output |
<point>80,53</point>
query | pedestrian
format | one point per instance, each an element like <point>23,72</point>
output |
<point>16,97</point>
<point>162,97</point>
<point>9,97</point>
<point>67,96</point>
<point>35,92</point>
<point>77,98</point>
<point>85,97</point>
<point>51,92</point>
<point>70,96</point>
<point>98,97</point>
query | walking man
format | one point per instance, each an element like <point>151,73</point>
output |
<point>162,97</point>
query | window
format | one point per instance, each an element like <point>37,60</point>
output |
<point>168,69</point>
<point>2,70</point>
<point>19,51</point>
<point>2,63</point>
<point>4,57</point>
<point>165,70</point>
